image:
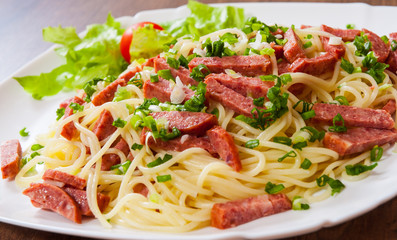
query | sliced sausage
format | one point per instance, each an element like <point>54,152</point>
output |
<point>181,72</point>
<point>390,107</point>
<point>392,59</point>
<point>66,178</point>
<point>278,50</point>
<point>107,94</point>
<point>381,50</point>
<point>178,144</point>
<point>10,156</point>
<point>283,66</point>
<point>229,98</point>
<point>293,48</point>
<point>357,140</point>
<point>235,213</point>
<point>345,34</point>
<point>141,189</point>
<point>162,90</point>
<point>246,86</point>
<point>353,116</point>
<point>314,66</point>
<point>246,65</point>
<point>104,125</point>
<point>108,160</point>
<point>337,50</point>
<point>53,198</point>
<point>69,130</point>
<point>80,197</point>
<point>224,145</point>
<point>195,123</point>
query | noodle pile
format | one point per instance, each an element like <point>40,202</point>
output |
<point>198,179</point>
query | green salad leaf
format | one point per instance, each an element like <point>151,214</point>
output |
<point>96,54</point>
<point>205,19</point>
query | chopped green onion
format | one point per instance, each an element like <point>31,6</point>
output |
<point>350,26</point>
<point>393,45</point>
<point>76,107</point>
<point>229,38</point>
<point>347,66</point>
<point>159,161</point>
<point>376,153</point>
<point>136,146</point>
<point>122,93</point>
<point>252,143</point>
<point>121,168</point>
<point>259,101</point>
<point>200,72</point>
<point>299,145</point>
<point>307,44</point>
<point>60,112</point>
<point>288,154</point>
<point>23,132</point>
<point>342,100</point>
<point>268,77</point>
<point>315,134</point>
<point>136,80</point>
<point>306,164</point>
<point>119,123</point>
<point>34,154</point>
<point>299,203</point>
<point>154,78</point>
<point>215,112</point>
<point>166,74</point>
<point>385,39</point>
<point>267,51</point>
<point>375,69</point>
<point>283,140</point>
<point>183,61</point>
<point>165,136</point>
<point>273,188</point>
<point>338,128</point>
<point>335,185</point>
<point>309,114</point>
<point>357,169</point>
<point>163,178</point>
<point>174,63</point>
<point>309,36</point>
<point>36,147</point>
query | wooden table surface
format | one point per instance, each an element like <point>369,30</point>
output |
<point>21,22</point>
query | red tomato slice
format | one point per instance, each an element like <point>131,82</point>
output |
<point>126,39</point>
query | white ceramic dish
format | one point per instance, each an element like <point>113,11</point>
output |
<point>20,110</point>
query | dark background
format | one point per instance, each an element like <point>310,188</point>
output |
<point>21,22</point>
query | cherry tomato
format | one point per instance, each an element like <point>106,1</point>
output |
<point>126,39</point>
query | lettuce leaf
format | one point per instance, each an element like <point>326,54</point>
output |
<point>97,54</point>
<point>205,19</point>
<point>148,42</point>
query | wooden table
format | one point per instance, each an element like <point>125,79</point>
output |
<point>21,22</point>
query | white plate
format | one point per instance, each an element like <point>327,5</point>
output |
<point>19,110</point>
